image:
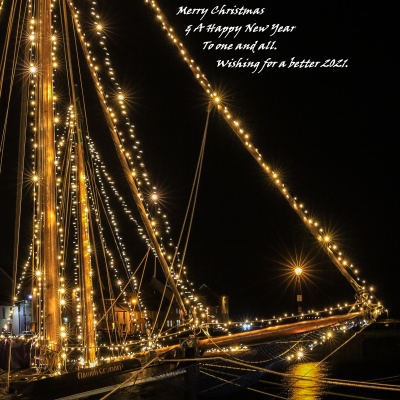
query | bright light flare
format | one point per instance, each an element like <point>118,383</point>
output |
<point>300,354</point>
<point>297,265</point>
<point>298,271</point>
<point>32,69</point>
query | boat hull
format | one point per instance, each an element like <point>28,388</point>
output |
<point>94,381</point>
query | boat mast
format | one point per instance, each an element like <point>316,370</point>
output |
<point>47,172</point>
<point>84,245</point>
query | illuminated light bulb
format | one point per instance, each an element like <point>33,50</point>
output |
<point>300,354</point>
<point>298,271</point>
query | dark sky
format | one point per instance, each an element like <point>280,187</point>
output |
<point>329,131</point>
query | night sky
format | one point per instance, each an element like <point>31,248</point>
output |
<point>330,132</point>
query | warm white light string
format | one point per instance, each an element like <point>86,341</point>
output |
<point>122,123</point>
<point>141,176</point>
<point>324,238</point>
<point>61,141</point>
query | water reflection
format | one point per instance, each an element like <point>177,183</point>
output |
<point>306,381</point>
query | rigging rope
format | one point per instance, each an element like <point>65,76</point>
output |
<point>364,295</point>
<point>188,216</point>
<point>132,377</point>
<point>195,189</point>
<point>3,68</point>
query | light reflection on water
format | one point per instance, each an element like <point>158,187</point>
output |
<point>301,381</point>
<point>306,381</point>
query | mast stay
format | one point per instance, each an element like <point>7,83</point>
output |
<point>324,240</point>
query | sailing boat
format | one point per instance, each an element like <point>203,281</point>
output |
<point>75,239</point>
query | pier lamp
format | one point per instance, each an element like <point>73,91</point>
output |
<point>298,271</point>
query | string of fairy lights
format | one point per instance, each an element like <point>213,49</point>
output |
<point>148,192</point>
<point>100,170</point>
<point>110,92</point>
<point>323,236</point>
<point>66,189</point>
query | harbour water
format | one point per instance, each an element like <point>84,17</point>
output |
<point>367,367</point>
<point>302,381</point>
<point>305,381</point>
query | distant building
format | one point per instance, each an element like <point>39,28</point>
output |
<point>5,301</point>
<point>124,319</point>
<point>16,316</point>
<point>217,305</point>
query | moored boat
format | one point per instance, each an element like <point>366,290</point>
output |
<point>69,251</point>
